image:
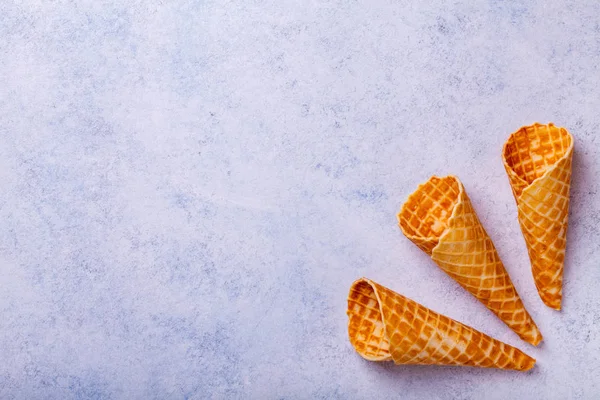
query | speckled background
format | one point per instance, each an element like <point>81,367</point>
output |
<point>188,189</point>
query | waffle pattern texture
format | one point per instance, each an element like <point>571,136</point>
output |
<point>439,218</point>
<point>538,159</point>
<point>384,325</point>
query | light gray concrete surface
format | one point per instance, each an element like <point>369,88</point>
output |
<point>188,189</point>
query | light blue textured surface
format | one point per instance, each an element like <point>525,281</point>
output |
<point>188,189</point>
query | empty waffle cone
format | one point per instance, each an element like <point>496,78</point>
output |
<point>384,325</point>
<point>439,218</point>
<point>537,159</point>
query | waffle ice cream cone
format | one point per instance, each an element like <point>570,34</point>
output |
<point>439,218</point>
<point>384,325</point>
<point>537,159</point>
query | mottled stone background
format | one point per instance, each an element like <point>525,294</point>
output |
<point>188,189</point>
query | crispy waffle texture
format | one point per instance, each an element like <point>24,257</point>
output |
<point>384,325</point>
<point>537,159</point>
<point>439,218</point>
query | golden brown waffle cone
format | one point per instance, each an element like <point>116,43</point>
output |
<point>384,325</point>
<point>439,218</point>
<point>537,159</point>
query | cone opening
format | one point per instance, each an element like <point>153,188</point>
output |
<point>425,215</point>
<point>365,326</point>
<point>532,150</point>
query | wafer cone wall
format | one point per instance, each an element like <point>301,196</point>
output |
<point>384,325</point>
<point>537,159</point>
<point>439,218</point>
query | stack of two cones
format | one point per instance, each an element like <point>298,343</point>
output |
<point>439,218</point>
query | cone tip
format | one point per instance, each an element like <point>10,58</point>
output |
<point>554,303</point>
<point>528,364</point>
<point>535,339</point>
<point>533,335</point>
